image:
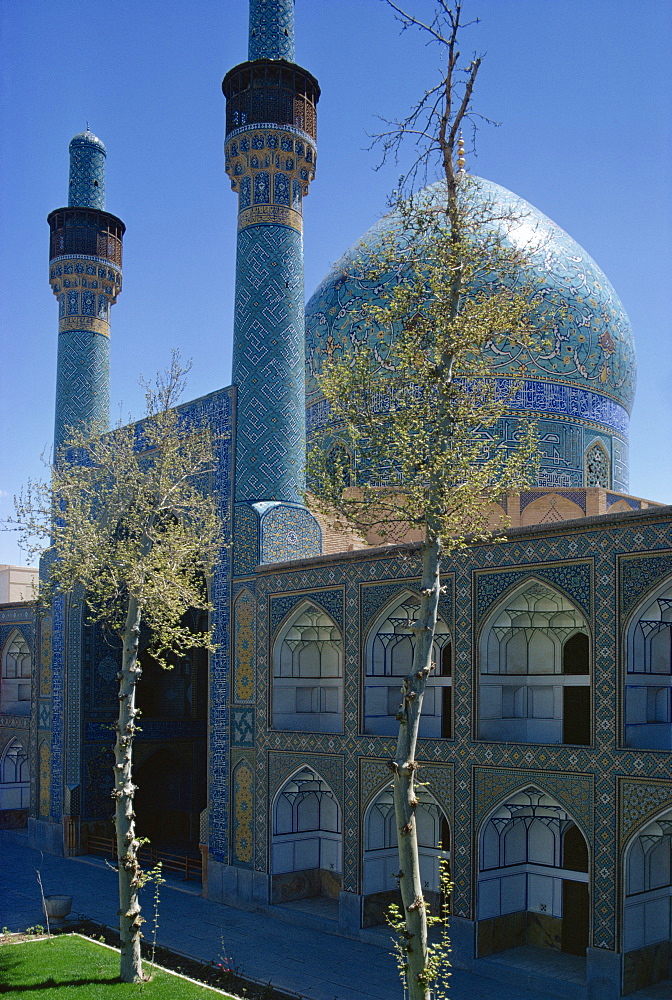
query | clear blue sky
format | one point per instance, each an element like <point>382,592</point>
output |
<point>583,90</point>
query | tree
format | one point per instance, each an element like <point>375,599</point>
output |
<point>129,523</point>
<point>411,446</point>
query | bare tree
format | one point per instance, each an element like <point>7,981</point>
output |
<point>413,454</point>
<point>128,520</point>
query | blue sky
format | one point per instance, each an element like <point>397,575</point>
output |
<point>582,89</point>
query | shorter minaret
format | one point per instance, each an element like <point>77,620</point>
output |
<point>85,276</point>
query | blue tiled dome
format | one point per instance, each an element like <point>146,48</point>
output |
<point>580,388</point>
<point>87,139</point>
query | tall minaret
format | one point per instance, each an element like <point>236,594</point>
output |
<point>270,158</point>
<point>85,276</point>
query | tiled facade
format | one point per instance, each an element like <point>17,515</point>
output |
<point>294,623</point>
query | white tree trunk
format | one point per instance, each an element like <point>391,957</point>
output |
<point>130,920</point>
<point>404,767</point>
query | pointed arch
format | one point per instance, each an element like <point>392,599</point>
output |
<point>648,671</point>
<point>380,858</point>
<point>532,871</point>
<point>14,776</point>
<point>16,674</point>
<point>647,901</point>
<point>306,838</point>
<point>389,658</point>
<point>534,668</point>
<point>307,688</point>
<point>597,466</point>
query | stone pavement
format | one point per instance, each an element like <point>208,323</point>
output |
<point>309,963</point>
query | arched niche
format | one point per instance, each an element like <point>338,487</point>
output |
<point>597,466</point>
<point>548,508</point>
<point>306,845</point>
<point>16,664</point>
<point>14,779</point>
<point>647,904</point>
<point>648,672</point>
<point>389,658</point>
<point>534,677</point>
<point>307,692</point>
<point>533,863</point>
<point>381,860</point>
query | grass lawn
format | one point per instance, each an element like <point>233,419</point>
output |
<point>81,969</point>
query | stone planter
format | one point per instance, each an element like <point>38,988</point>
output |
<point>57,907</point>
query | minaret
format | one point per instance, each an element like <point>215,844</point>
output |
<point>270,158</point>
<point>85,276</point>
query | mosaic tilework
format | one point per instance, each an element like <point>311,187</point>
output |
<point>589,554</point>
<point>87,171</point>
<point>583,381</point>
<point>73,684</point>
<point>573,791</point>
<point>246,534</point>
<point>46,653</point>
<point>576,496</point>
<point>573,578</point>
<point>244,626</point>
<point>242,726</point>
<point>271,29</point>
<point>639,574</point>
<point>268,365</point>
<point>82,382</point>
<point>289,533</point>
<point>375,596</point>
<point>44,784</point>
<point>641,801</point>
<point>57,710</point>
<point>281,766</point>
<point>330,600</point>
<point>243,814</point>
<point>631,502</point>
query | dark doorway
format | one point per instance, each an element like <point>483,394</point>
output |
<point>574,917</point>
<point>576,715</point>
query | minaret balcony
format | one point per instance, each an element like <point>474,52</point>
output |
<point>271,91</point>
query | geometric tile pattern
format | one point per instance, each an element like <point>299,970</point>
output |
<point>281,606</point>
<point>582,562</point>
<point>641,801</point>
<point>573,578</point>
<point>268,369</point>
<point>244,621</point>
<point>271,29</point>
<point>243,814</point>
<point>82,382</point>
<point>639,574</point>
<point>242,726</point>
<point>87,171</point>
<point>289,533</point>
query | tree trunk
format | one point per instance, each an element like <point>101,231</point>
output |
<point>404,767</point>
<point>130,920</point>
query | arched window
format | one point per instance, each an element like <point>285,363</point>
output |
<point>597,467</point>
<point>389,658</point>
<point>532,859</point>
<point>308,673</point>
<point>381,860</point>
<point>15,695</point>
<point>647,916</point>
<point>306,837</point>
<point>14,777</point>
<point>535,670</point>
<point>648,680</point>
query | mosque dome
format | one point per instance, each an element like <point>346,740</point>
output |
<point>87,138</point>
<point>578,385</point>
